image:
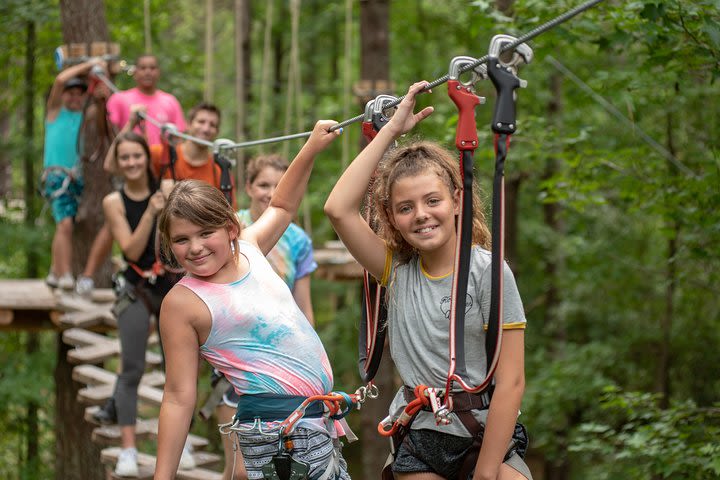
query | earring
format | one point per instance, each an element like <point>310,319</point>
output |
<point>232,247</point>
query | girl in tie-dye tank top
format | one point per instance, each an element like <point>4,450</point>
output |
<point>238,314</point>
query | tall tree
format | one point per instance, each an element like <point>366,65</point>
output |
<point>83,21</point>
<point>375,79</point>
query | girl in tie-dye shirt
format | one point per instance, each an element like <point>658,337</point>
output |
<point>241,317</point>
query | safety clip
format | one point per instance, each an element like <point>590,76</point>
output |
<point>375,117</point>
<point>440,411</point>
<point>503,73</point>
<point>464,96</point>
<point>168,131</point>
<point>221,144</point>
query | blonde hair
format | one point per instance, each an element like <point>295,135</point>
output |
<point>259,163</point>
<point>409,161</point>
<point>200,204</point>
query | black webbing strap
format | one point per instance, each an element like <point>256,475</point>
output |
<point>225,177</point>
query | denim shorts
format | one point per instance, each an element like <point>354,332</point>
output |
<point>443,454</point>
<point>66,203</point>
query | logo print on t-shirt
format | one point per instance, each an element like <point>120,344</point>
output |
<point>445,304</point>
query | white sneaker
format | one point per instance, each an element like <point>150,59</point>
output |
<point>66,282</point>
<point>84,286</point>
<point>51,280</point>
<point>127,463</point>
<point>187,462</point>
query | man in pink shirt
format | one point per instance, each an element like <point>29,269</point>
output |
<point>159,105</point>
<point>162,107</point>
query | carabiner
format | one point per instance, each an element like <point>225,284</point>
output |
<point>375,118</point>
<point>521,54</point>
<point>478,73</point>
<point>169,131</point>
<point>504,76</point>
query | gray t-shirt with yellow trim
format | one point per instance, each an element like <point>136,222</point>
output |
<point>418,325</point>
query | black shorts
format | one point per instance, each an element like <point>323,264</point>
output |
<point>443,454</point>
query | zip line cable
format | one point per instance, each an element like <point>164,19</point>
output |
<point>618,114</point>
<point>225,145</point>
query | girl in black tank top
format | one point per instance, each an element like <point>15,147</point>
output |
<point>131,214</point>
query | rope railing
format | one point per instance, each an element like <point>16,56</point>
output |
<point>225,145</point>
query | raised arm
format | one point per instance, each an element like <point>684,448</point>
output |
<point>180,310</point>
<point>132,242</point>
<point>267,230</point>
<point>109,163</point>
<point>343,205</point>
<point>54,102</point>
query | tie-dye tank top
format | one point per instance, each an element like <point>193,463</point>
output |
<point>259,338</point>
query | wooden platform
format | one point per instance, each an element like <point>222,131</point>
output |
<point>336,263</point>
<point>32,305</point>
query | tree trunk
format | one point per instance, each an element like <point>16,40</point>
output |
<point>664,363</point>
<point>243,15</point>
<point>76,456</point>
<point>375,40</point>
<point>31,267</point>
<point>375,72</point>
<point>83,21</point>
<point>512,193</point>
<point>5,163</point>
<point>31,419</point>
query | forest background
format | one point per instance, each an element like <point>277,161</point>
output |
<point>613,181</point>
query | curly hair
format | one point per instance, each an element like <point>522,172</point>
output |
<point>411,160</point>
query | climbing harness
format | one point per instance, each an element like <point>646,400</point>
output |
<point>70,176</point>
<point>283,466</point>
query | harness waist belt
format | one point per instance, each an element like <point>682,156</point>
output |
<point>462,401</point>
<point>274,408</point>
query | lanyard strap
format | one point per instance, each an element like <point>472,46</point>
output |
<point>371,340</point>
<point>504,77</point>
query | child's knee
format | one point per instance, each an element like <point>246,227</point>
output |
<point>65,226</point>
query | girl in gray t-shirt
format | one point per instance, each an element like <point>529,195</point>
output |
<point>417,202</point>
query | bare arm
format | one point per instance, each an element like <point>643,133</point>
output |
<point>132,242</point>
<point>273,222</point>
<point>181,311</point>
<point>301,294</point>
<point>54,102</point>
<point>109,163</point>
<point>504,406</point>
<point>343,204</point>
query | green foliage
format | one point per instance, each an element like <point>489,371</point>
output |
<point>637,439</point>
<point>636,240</point>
